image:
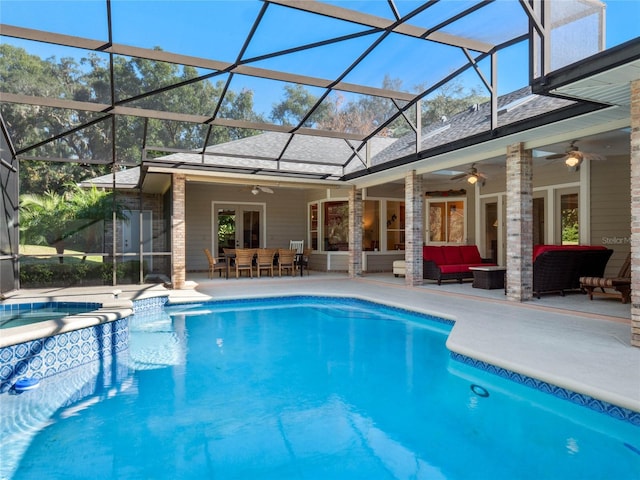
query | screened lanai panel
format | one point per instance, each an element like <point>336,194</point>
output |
<point>247,143</point>
<point>327,61</point>
<point>272,101</point>
<point>416,62</point>
<point>354,114</point>
<point>166,86</point>
<point>53,71</point>
<point>215,30</point>
<point>576,31</point>
<point>169,134</point>
<point>303,29</point>
<point>494,23</point>
<point>73,17</point>
<point>56,133</point>
<point>333,151</point>
<point>129,139</point>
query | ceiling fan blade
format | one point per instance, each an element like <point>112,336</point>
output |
<point>459,176</point>
<point>266,189</point>
<point>555,156</point>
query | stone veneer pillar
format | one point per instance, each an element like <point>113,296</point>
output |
<point>635,213</point>
<point>178,230</point>
<point>355,232</point>
<point>519,223</point>
<point>414,221</point>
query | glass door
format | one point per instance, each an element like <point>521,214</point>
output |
<point>238,226</point>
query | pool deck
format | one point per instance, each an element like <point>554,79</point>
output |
<point>571,342</point>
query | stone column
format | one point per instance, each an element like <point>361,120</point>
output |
<point>355,232</point>
<point>178,231</point>
<point>413,228</point>
<point>635,213</point>
<point>519,223</point>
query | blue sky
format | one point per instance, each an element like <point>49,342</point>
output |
<point>217,29</point>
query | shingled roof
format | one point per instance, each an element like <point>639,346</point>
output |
<point>326,156</point>
<point>513,107</point>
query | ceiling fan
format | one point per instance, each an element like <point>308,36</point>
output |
<point>259,188</point>
<point>472,175</point>
<point>573,157</point>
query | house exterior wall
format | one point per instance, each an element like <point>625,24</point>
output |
<point>286,217</point>
<point>610,213</point>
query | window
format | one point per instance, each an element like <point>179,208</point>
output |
<point>336,226</point>
<point>569,219</point>
<point>313,225</point>
<point>371,225</point>
<point>395,225</point>
<point>446,221</point>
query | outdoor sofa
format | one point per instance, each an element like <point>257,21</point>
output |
<point>451,262</point>
<point>558,268</point>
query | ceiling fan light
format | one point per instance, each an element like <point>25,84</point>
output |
<point>472,179</point>
<point>572,161</point>
<point>255,190</point>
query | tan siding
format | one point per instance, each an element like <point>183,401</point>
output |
<point>285,212</point>
<point>339,262</point>
<point>553,173</point>
<point>610,209</point>
<point>380,262</point>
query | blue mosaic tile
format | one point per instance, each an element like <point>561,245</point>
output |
<point>50,359</point>
<point>6,371</point>
<point>45,357</point>
<point>148,305</point>
<point>21,368</point>
<point>587,401</point>
<point>6,354</point>
<point>49,343</point>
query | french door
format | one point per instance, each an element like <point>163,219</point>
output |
<point>238,226</point>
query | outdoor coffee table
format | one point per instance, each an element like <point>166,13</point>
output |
<point>488,277</point>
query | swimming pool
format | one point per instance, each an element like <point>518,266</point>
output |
<point>304,388</point>
<point>18,314</point>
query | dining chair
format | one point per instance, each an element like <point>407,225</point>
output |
<point>244,260</point>
<point>303,259</point>
<point>286,260</point>
<point>297,245</point>
<point>214,263</point>
<point>264,260</point>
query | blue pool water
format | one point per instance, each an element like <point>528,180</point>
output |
<point>305,389</point>
<point>15,315</point>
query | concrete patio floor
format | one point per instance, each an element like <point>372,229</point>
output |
<point>569,341</point>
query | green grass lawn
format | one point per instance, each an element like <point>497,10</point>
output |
<point>46,250</point>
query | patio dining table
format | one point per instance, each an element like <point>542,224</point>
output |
<point>229,256</point>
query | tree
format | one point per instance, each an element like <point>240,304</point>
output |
<point>88,80</point>
<point>449,100</point>
<point>297,102</point>
<point>53,219</point>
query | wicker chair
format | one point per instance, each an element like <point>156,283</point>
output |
<point>286,260</point>
<point>214,264</point>
<point>244,260</point>
<point>264,260</point>
<point>621,284</point>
